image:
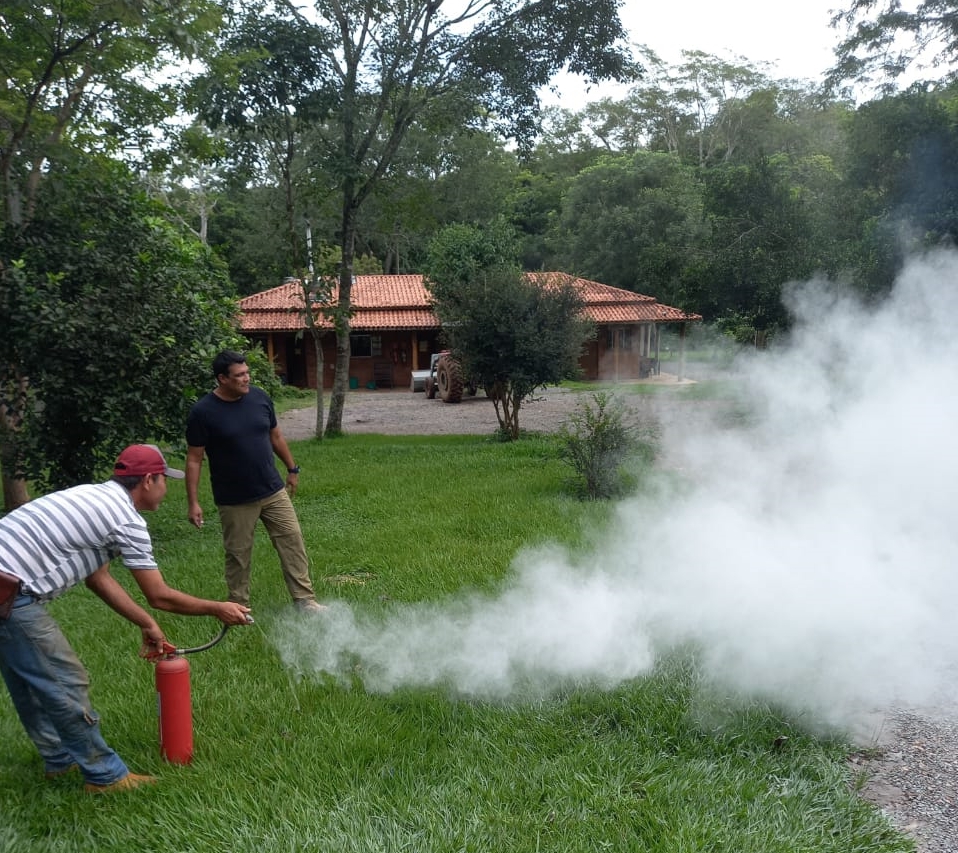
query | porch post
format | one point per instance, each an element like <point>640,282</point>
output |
<point>681,352</point>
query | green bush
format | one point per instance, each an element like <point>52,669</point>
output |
<point>596,440</point>
<point>262,372</point>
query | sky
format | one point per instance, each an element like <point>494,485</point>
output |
<point>809,553</point>
<point>794,36</point>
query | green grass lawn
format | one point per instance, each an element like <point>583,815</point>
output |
<point>289,763</point>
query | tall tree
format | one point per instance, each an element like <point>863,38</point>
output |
<point>267,85</point>
<point>760,238</point>
<point>191,177</point>
<point>442,64</point>
<point>634,222</point>
<point>462,176</point>
<point>694,109</point>
<point>66,81</point>
<point>903,178</point>
<point>884,39</point>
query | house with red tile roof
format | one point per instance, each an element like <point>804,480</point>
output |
<point>394,331</point>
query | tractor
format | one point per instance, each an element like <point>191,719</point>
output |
<point>445,379</point>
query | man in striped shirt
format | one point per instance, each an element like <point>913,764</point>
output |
<point>48,546</point>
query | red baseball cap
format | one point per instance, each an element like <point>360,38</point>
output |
<point>140,459</point>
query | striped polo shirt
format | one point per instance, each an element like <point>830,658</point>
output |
<point>55,541</point>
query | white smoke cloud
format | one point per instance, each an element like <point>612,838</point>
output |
<point>811,554</point>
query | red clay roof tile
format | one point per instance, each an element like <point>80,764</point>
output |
<point>382,302</point>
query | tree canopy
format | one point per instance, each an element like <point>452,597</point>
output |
<point>66,80</point>
<point>67,86</point>
<point>710,185</point>
<point>511,333</point>
<point>884,39</point>
<point>635,222</point>
<point>113,315</point>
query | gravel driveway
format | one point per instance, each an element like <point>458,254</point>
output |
<point>912,775</point>
<point>403,412</point>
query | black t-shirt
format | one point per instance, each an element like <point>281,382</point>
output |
<point>236,437</point>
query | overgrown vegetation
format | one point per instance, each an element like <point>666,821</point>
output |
<point>596,441</point>
<point>710,185</point>
<point>286,764</point>
<point>112,317</point>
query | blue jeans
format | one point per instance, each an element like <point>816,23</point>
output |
<point>50,691</point>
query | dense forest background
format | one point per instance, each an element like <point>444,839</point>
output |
<point>159,158</point>
<point>710,186</point>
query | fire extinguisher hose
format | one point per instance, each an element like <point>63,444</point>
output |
<point>212,642</point>
<point>205,646</point>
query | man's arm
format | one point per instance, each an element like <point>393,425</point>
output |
<point>194,465</point>
<point>162,597</point>
<point>109,590</point>
<point>281,449</point>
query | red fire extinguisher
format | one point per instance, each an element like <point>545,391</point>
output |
<point>175,707</point>
<point>174,700</point>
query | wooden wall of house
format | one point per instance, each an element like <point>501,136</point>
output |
<point>390,358</point>
<point>589,360</point>
<point>616,353</point>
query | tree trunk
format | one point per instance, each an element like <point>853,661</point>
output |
<point>14,492</point>
<point>12,405</point>
<point>513,422</point>
<point>320,370</point>
<point>13,387</point>
<point>337,399</point>
<point>507,411</point>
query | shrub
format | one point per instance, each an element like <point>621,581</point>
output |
<point>596,440</point>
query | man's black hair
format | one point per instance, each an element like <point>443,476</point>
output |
<point>128,481</point>
<point>222,362</point>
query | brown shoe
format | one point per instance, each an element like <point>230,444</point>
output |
<point>127,783</point>
<point>56,774</point>
<point>309,605</point>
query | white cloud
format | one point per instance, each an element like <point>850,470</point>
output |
<point>794,37</point>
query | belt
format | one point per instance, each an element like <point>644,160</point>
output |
<point>23,599</point>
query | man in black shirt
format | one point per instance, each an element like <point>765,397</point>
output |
<point>235,427</point>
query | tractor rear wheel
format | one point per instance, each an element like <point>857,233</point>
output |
<point>431,388</point>
<point>449,380</point>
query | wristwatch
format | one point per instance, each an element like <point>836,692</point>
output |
<point>293,470</point>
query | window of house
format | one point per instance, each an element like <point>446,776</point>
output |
<point>365,346</point>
